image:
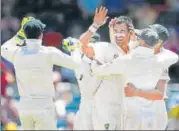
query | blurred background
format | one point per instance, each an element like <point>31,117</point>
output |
<point>71,18</point>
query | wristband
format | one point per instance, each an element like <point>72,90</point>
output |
<point>93,28</point>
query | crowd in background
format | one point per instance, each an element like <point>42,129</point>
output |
<point>71,18</point>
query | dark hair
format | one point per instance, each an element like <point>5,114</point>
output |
<point>32,34</point>
<point>161,31</point>
<point>33,29</point>
<point>149,36</point>
<point>126,20</point>
<point>174,71</point>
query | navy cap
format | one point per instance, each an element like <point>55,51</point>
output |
<point>33,28</point>
<point>161,31</point>
<point>149,36</point>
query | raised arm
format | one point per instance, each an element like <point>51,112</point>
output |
<point>9,48</point>
<point>100,19</point>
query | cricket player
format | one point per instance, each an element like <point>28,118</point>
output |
<point>33,64</point>
<point>87,82</point>
<point>141,59</point>
<point>163,37</point>
<point>161,85</point>
<point>124,50</point>
<point>173,98</point>
<point>156,95</point>
<point>108,109</point>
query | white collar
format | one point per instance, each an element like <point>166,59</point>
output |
<point>33,44</point>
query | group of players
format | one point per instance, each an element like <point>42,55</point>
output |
<point>122,82</point>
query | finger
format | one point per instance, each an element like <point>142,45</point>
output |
<point>96,11</point>
<point>105,12</point>
<point>100,10</point>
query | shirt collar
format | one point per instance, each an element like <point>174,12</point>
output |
<point>33,44</point>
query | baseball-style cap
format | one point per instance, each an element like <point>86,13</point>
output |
<point>148,35</point>
<point>33,28</point>
<point>161,31</point>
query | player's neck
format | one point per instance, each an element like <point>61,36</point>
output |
<point>125,48</point>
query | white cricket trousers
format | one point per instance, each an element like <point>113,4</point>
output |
<point>109,117</point>
<point>37,114</point>
<point>151,116</point>
<point>83,118</point>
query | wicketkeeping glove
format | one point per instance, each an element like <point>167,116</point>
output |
<point>70,44</point>
<point>20,34</point>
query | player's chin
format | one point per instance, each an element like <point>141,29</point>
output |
<point>119,41</point>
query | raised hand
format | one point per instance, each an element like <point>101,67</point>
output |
<point>100,16</point>
<point>20,34</point>
<point>112,22</point>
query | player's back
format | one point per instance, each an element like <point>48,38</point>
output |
<point>147,67</point>
<point>144,69</point>
<point>34,73</point>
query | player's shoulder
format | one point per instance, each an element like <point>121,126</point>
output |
<point>170,54</point>
<point>168,57</point>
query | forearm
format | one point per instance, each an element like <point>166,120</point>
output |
<point>12,42</point>
<point>9,48</point>
<point>154,94</point>
<point>85,40</point>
